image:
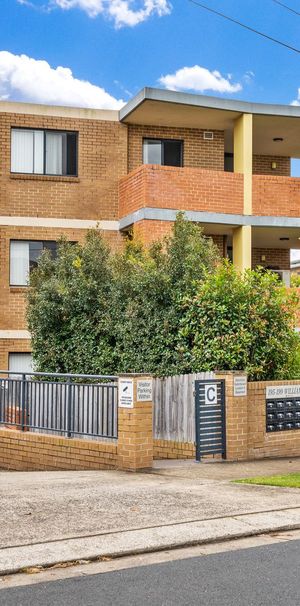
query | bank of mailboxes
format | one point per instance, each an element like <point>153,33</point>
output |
<point>283,415</point>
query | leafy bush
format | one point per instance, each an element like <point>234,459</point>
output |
<point>169,309</point>
<point>240,322</point>
<point>295,280</point>
<point>91,311</point>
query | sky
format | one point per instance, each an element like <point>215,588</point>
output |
<point>100,53</point>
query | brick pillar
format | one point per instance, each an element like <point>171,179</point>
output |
<point>135,434</point>
<point>236,417</point>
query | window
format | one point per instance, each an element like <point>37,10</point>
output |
<point>20,363</point>
<point>167,152</point>
<point>43,152</point>
<point>228,162</point>
<point>24,256</point>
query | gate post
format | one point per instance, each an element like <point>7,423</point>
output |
<point>236,415</point>
<point>135,413</point>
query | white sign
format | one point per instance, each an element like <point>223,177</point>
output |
<point>125,393</point>
<point>144,390</point>
<point>210,394</point>
<point>282,391</point>
<point>240,386</point>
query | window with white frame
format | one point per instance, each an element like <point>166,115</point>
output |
<point>19,363</point>
<point>24,255</point>
<point>43,152</point>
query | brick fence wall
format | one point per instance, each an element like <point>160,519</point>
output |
<point>246,435</point>
<point>260,443</point>
<point>133,450</point>
<point>25,451</point>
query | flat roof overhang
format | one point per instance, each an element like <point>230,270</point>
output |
<point>184,110</point>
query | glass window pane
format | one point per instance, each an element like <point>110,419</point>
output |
<point>52,247</point>
<point>39,152</point>
<point>19,263</point>
<point>152,151</point>
<point>228,162</point>
<point>172,153</point>
<point>71,154</point>
<point>22,151</point>
<point>35,251</point>
<point>54,153</point>
<point>20,363</point>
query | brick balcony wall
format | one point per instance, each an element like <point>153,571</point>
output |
<point>276,196</point>
<point>102,160</point>
<point>181,189</point>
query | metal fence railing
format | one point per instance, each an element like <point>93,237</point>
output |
<point>64,404</point>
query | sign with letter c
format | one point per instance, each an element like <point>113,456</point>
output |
<point>211,394</point>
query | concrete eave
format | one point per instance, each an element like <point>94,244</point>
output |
<point>203,101</point>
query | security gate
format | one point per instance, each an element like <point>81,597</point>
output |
<point>210,418</point>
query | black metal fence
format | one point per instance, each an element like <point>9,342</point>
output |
<point>64,404</point>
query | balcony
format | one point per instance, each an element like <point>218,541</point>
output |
<point>192,189</point>
<point>276,196</point>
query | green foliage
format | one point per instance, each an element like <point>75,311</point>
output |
<point>94,312</point>
<point>240,323</point>
<point>295,280</point>
<point>69,309</point>
<point>169,309</point>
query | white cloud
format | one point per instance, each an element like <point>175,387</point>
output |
<point>25,79</point>
<point>121,12</point>
<point>199,79</point>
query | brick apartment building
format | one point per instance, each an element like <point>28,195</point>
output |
<point>63,170</point>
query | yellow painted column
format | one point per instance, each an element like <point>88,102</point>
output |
<point>242,247</point>
<point>242,236</point>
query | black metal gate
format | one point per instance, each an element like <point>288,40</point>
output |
<point>210,418</point>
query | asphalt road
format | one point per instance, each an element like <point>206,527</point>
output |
<point>261,576</point>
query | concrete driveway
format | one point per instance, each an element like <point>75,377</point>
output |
<point>46,506</point>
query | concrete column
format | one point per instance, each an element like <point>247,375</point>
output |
<point>236,417</point>
<point>243,154</point>
<point>135,412</point>
<point>242,247</point>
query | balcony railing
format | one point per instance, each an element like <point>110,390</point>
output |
<point>276,196</point>
<point>192,189</point>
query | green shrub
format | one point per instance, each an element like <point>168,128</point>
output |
<point>240,322</point>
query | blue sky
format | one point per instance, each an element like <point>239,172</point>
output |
<point>119,46</point>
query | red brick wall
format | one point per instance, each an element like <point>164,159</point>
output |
<point>278,257</point>
<point>102,160</point>
<point>182,189</point>
<point>262,165</point>
<point>276,196</point>
<point>27,451</point>
<point>197,152</point>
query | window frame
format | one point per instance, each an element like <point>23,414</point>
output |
<point>163,140</point>
<point>10,263</point>
<point>18,353</point>
<point>45,131</point>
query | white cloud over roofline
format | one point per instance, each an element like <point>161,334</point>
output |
<point>199,79</point>
<point>23,78</point>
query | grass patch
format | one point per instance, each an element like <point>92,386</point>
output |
<point>290,480</point>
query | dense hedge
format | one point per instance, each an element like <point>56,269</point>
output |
<point>170,309</point>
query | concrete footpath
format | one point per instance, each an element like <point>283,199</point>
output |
<point>51,517</point>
